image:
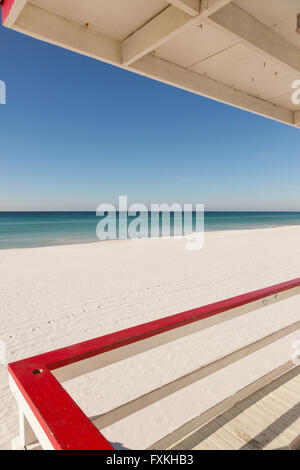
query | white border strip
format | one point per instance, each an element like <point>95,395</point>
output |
<point>15,11</point>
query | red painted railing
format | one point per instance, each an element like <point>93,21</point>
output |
<point>63,422</point>
<point>6,7</point>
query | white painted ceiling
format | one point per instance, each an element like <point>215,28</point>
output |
<point>202,49</point>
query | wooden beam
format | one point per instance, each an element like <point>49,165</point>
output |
<point>208,7</point>
<point>163,71</point>
<point>55,417</point>
<point>49,27</point>
<point>297,118</point>
<point>191,7</point>
<point>11,9</point>
<point>187,323</point>
<point>153,34</point>
<point>138,404</point>
<point>164,27</point>
<point>255,35</point>
<point>183,431</point>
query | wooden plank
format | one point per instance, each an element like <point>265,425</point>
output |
<point>250,429</point>
<point>91,355</point>
<point>187,430</point>
<point>229,439</point>
<point>236,440</point>
<point>49,27</point>
<point>148,399</point>
<point>291,394</point>
<point>208,7</point>
<point>164,27</point>
<point>154,33</point>
<point>246,29</point>
<point>272,410</point>
<point>55,418</point>
<point>205,445</point>
<point>253,423</point>
<point>297,118</point>
<point>262,421</point>
<point>171,74</point>
<point>191,7</point>
<point>219,437</point>
<point>262,413</point>
<point>50,410</point>
<point>27,435</point>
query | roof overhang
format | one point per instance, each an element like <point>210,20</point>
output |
<point>245,54</point>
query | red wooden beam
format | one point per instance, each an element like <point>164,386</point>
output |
<point>66,426</point>
<point>62,357</point>
<point>63,422</point>
<point>6,7</point>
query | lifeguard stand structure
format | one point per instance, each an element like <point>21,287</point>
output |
<point>242,53</point>
<point>50,418</point>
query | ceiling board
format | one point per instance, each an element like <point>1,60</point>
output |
<point>270,12</point>
<point>286,102</point>
<point>241,68</point>
<point>287,29</point>
<point>194,45</point>
<point>117,19</point>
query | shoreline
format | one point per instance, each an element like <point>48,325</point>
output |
<point>85,242</point>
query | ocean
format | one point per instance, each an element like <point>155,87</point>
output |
<point>37,229</point>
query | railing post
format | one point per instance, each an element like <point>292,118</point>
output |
<point>26,435</point>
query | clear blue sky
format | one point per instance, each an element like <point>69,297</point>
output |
<point>76,132</point>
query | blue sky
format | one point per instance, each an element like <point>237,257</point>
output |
<point>76,132</point>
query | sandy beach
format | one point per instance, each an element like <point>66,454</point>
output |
<point>56,296</point>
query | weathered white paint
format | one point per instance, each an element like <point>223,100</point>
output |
<point>31,422</point>
<point>157,31</point>
<point>68,30</point>
<point>117,19</point>
<point>192,7</point>
<point>162,28</point>
<point>208,7</point>
<point>297,118</point>
<point>49,27</point>
<point>27,436</point>
<point>251,32</point>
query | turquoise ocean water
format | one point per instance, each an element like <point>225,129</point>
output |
<point>35,229</point>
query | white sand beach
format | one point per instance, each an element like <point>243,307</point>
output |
<point>56,296</point>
